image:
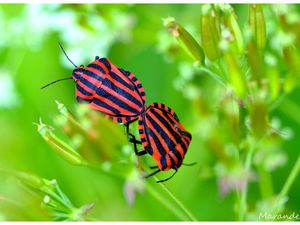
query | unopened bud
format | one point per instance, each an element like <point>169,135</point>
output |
<point>258,25</point>
<point>29,179</point>
<point>59,146</point>
<point>237,78</point>
<point>209,33</point>
<point>233,26</point>
<point>185,39</point>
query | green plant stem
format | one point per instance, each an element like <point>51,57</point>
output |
<point>277,102</point>
<point>290,180</point>
<point>215,76</point>
<point>169,205</point>
<point>178,202</point>
<point>222,69</point>
<point>290,108</point>
<point>265,183</point>
<point>243,199</point>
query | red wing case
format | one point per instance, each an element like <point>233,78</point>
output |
<point>118,93</point>
<point>163,136</point>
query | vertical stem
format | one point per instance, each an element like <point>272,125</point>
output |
<point>290,180</point>
<point>169,205</point>
<point>243,200</point>
<point>265,183</point>
<point>178,202</point>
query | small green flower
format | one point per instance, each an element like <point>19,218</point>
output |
<point>52,197</point>
<point>185,39</point>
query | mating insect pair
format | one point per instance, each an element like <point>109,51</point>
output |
<point>119,95</point>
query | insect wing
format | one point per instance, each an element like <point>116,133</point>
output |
<point>165,137</point>
<point>119,95</point>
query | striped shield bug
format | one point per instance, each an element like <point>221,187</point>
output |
<point>163,137</point>
<point>113,91</point>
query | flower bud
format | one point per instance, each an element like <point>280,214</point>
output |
<point>233,26</point>
<point>65,112</point>
<point>185,39</point>
<point>209,33</point>
<point>29,179</point>
<point>258,25</point>
<point>59,146</point>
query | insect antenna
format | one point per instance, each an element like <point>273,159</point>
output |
<point>189,164</point>
<point>66,54</point>
<point>160,181</point>
<point>53,82</point>
<point>151,174</point>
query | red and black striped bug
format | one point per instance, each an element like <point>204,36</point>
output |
<point>113,91</point>
<point>119,95</point>
<point>163,137</point>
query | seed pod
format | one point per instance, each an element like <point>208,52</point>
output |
<point>209,33</point>
<point>255,61</point>
<point>185,39</point>
<point>59,146</point>
<point>29,179</point>
<point>259,118</point>
<point>274,82</point>
<point>237,79</point>
<point>233,26</point>
<point>292,59</point>
<point>258,25</point>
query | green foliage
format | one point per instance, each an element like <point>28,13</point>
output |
<point>231,73</point>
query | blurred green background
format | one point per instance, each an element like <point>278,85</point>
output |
<point>132,37</point>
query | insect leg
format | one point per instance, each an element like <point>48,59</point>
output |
<point>127,125</point>
<point>135,142</point>
<point>153,167</point>
<point>189,164</point>
<point>151,174</point>
<point>160,181</point>
<point>157,171</point>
